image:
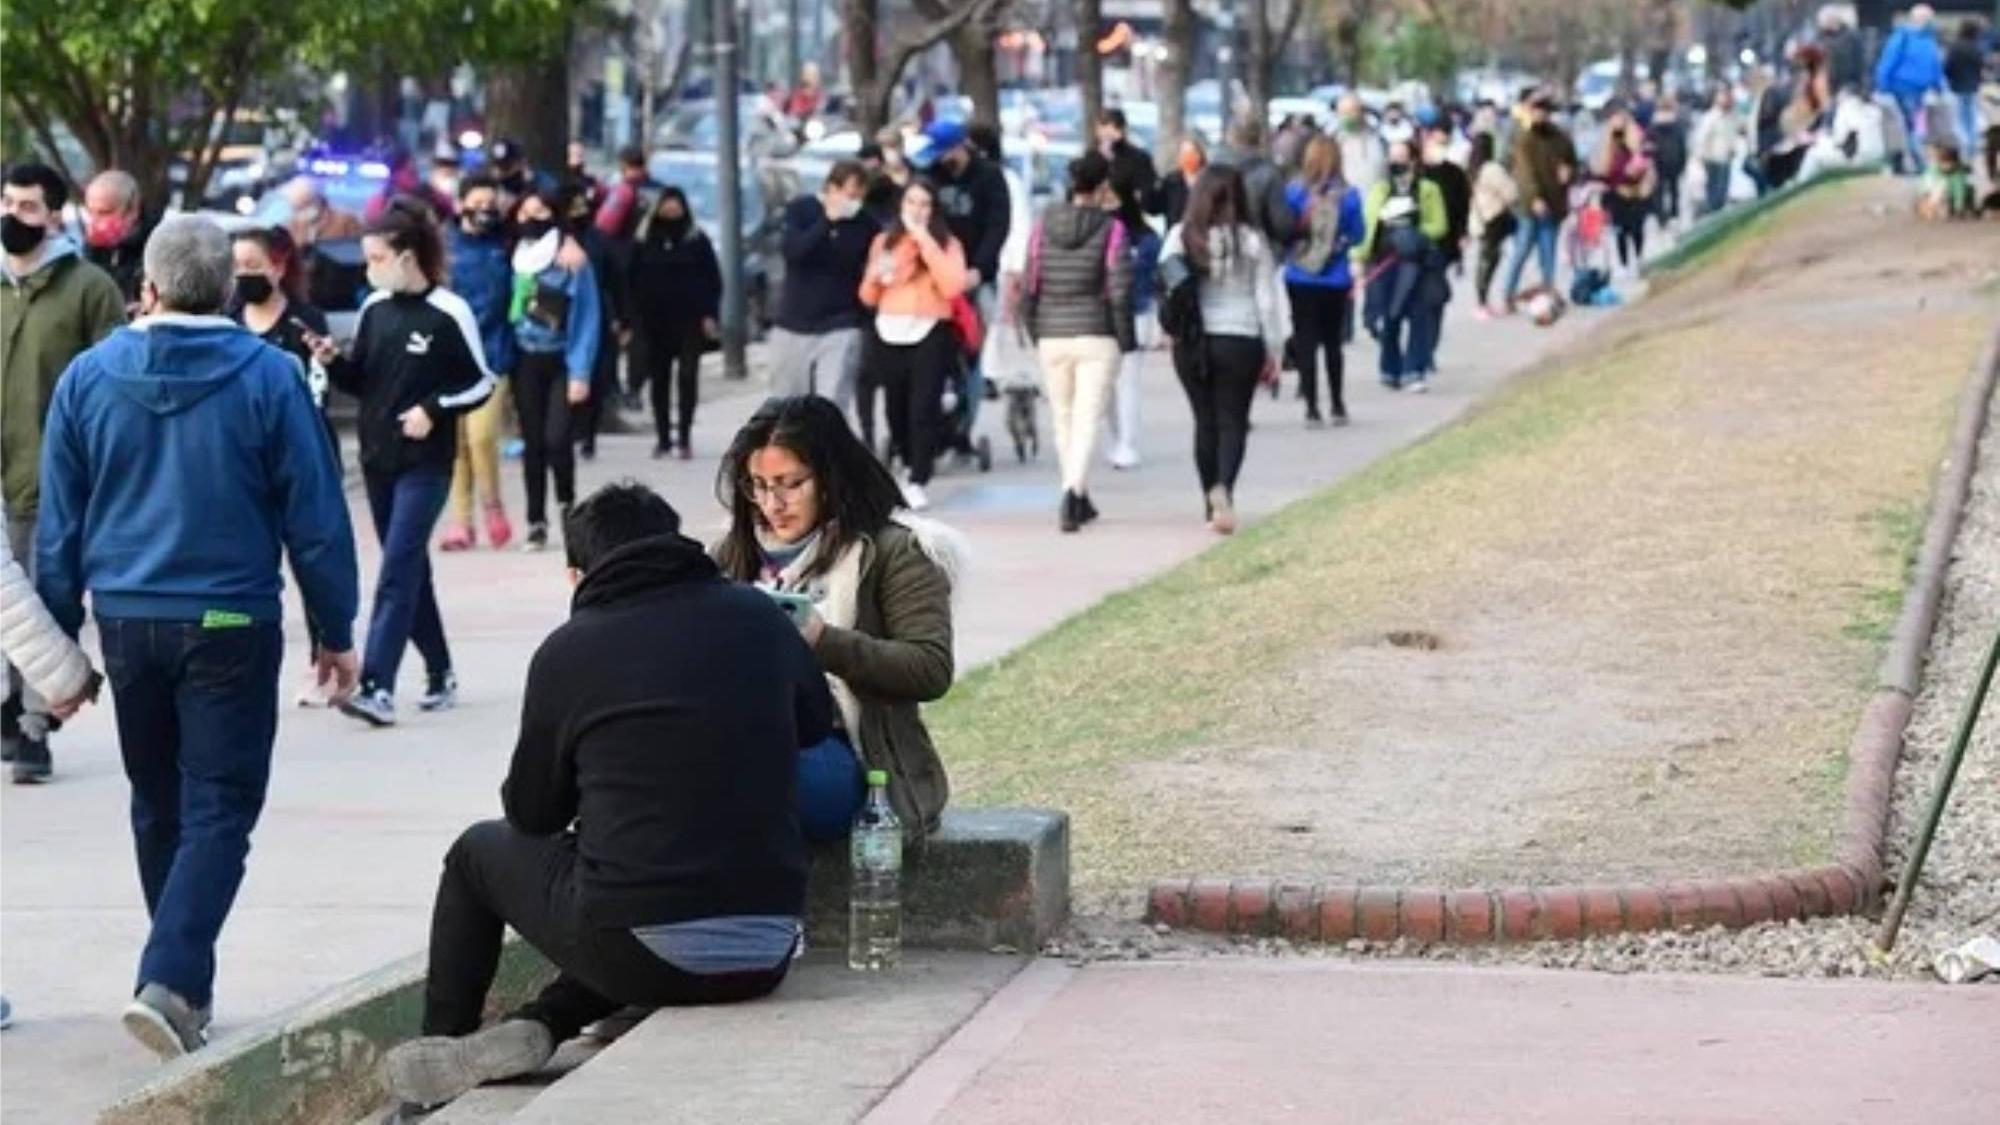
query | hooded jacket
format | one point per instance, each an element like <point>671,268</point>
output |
<point>182,454</point>
<point>973,201</point>
<point>664,720</point>
<point>674,278</point>
<point>1080,272</point>
<point>47,318</point>
<point>482,272</point>
<point>1911,62</point>
<point>1541,152</point>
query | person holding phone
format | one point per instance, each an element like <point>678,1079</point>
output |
<point>417,366</point>
<point>270,302</point>
<point>814,516</point>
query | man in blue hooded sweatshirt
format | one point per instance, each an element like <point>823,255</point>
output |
<point>181,458</point>
<point>1911,69</point>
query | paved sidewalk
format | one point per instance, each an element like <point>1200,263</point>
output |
<point>1258,1040</point>
<point>346,857</point>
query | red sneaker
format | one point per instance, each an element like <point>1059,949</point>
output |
<point>498,531</point>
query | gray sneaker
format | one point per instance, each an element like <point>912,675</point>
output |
<point>434,1070</point>
<point>165,1023</point>
<point>373,706</point>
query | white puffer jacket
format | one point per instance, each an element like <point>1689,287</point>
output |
<point>31,640</point>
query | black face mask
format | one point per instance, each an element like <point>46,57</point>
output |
<point>1399,171</point>
<point>534,229</point>
<point>253,288</point>
<point>482,220</point>
<point>19,238</point>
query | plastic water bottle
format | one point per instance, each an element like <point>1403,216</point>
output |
<point>875,885</point>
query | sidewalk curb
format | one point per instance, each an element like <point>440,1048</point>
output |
<point>1332,912</point>
<point>1710,232</point>
<point>316,1063</point>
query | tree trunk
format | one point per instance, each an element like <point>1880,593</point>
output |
<point>1175,70</point>
<point>864,66</point>
<point>1257,69</point>
<point>978,70</point>
<point>530,104</point>
<point>1089,64</point>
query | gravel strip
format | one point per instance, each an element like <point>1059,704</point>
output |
<point>1957,898</point>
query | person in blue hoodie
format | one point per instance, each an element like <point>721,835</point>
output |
<point>1318,277</point>
<point>1910,70</point>
<point>482,274</point>
<point>559,327</point>
<point>182,459</point>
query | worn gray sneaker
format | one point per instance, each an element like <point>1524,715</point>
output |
<point>165,1023</point>
<point>434,1070</point>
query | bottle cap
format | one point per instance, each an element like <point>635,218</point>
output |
<point>878,777</point>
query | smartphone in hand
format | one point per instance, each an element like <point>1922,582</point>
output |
<point>798,607</point>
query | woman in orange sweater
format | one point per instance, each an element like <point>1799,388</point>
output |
<point>915,270</point>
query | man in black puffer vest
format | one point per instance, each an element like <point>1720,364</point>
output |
<point>651,848</point>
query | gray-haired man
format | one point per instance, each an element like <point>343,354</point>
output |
<point>182,455</point>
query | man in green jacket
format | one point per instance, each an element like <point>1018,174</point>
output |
<point>53,306</point>
<point>1544,167</point>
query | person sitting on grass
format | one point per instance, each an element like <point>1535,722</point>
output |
<point>650,847</point>
<point>1947,190</point>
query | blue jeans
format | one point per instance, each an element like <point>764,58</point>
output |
<point>1536,236</point>
<point>1716,187</point>
<point>1912,108</point>
<point>1968,126</point>
<point>831,788</point>
<point>197,712</point>
<point>1426,329</point>
<point>406,509</point>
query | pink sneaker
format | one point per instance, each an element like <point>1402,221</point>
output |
<point>457,537</point>
<point>1481,313</point>
<point>498,531</point>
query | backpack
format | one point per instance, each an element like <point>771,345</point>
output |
<point>1322,232</point>
<point>1178,286</point>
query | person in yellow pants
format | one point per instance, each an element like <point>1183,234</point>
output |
<point>483,275</point>
<point>476,473</point>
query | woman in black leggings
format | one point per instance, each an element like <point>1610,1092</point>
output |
<point>675,283</point>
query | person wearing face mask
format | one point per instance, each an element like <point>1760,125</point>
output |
<point>1544,161</point>
<point>1361,151</point>
<point>916,269</point>
<point>816,346</point>
<point>417,365</point>
<point>114,230</point>
<point>675,281</point>
<point>315,220</point>
<point>483,274</point>
<point>270,304</point>
<point>1175,188</point>
<point>53,306</point>
<point>558,319</point>
<point>1404,228</point>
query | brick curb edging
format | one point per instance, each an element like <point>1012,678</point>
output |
<point>1338,912</point>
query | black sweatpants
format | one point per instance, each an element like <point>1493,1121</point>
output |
<point>541,395</point>
<point>1492,240</point>
<point>1219,393</point>
<point>1319,324</point>
<point>495,876</point>
<point>912,379</point>
<point>671,361</point>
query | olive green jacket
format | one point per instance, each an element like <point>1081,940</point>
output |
<point>898,656</point>
<point>46,319</point>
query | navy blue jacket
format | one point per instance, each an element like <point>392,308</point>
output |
<point>482,272</point>
<point>181,455</point>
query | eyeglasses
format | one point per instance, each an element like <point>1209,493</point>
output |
<point>785,491</point>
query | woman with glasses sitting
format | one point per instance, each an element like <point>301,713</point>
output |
<point>816,518</point>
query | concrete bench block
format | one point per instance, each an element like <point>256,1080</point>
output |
<point>986,878</point>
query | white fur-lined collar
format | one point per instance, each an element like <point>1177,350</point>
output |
<point>942,544</point>
<point>183,320</point>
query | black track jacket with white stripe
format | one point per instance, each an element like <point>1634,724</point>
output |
<point>413,349</point>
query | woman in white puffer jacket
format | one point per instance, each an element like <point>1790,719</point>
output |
<point>54,667</point>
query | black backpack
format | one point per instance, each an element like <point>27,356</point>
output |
<point>1178,288</point>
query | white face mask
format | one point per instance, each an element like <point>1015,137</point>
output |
<point>391,276</point>
<point>844,209</point>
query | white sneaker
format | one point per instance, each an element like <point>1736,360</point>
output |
<point>310,693</point>
<point>1124,457</point>
<point>1418,386</point>
<point>914,497</point>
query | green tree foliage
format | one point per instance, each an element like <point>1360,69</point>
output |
<point>140,84</point>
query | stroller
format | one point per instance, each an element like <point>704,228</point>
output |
<point>1008,362</point>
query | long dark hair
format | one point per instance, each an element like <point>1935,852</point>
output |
<point>277,244</point>
<point>857,496</point>
<point>939,231</point>
<point>1482,152</point>
<point>408,223</point>
<point>1218,203</point>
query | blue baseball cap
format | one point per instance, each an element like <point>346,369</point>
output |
<point>944,136</point>
<point>1427,116</point>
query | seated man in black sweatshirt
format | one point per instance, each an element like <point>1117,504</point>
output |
<point>650,849</point>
